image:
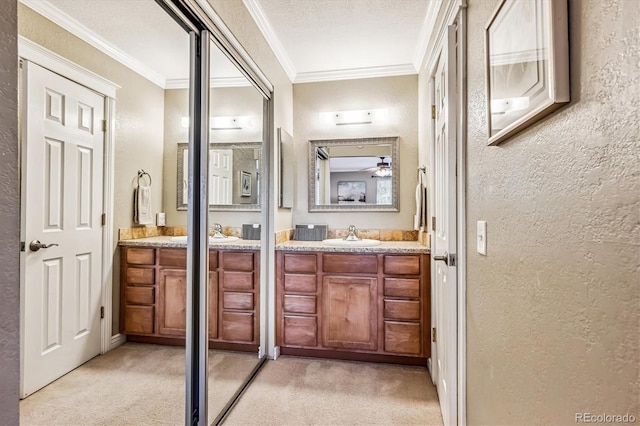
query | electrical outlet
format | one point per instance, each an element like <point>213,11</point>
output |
<point>481,245</point>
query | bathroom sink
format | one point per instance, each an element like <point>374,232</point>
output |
<point>212,240</point>
<point>339,242</point>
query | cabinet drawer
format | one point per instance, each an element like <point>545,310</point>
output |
<point>138,319</point>
<point>237,326</point>
<point>346,263</point>
<point>141,256</point>
<point>402,265</point>
<point>140,295</point>
<point>140,276</point>
<point>237,280</point>
<point>299,304</point>
<point>402,338</point>
<point>300,331</point>
<point>235,300</point>
<point>176,258</point>
<point>402,309</point>
<point>300,283</point>
<point>300,263</point>
<point>402,287</point>
<point>237,261</point>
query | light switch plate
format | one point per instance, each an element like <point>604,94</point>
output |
<point>481,238</point>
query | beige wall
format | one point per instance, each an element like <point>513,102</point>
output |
<point>230,101</point>
<point>10,214</point>
<point>400,96</point>
<point>553,309</point>
<point>139,121</point>
<point>239,21</point>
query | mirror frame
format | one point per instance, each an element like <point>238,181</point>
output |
<point>180,202</point>
<point>287,162</point>
<point>395,178</point>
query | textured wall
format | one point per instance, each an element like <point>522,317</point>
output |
<point>9,217</point>
<point>239,21</point>
<point>553,309</point>
<point>400,96</point>
<point>139,121</point>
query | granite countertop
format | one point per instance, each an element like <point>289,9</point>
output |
<point>384,247</point>
<point>166,242</point>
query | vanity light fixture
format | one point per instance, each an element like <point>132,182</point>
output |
<point>225,123</point>
<point>345,118</point>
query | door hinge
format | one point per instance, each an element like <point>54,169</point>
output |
<point>103,219</point>
<point>433,112</point>
<point>434,335</point>
<point>22,246</point>
<point>104,125</point>
<point>433,223</point>
<point>101,312</point>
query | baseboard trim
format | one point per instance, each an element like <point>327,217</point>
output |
<point>354,356</point>
<point>117,340</point>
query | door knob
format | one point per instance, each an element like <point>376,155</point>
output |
<point>36,245</point>
<point>444,258</point>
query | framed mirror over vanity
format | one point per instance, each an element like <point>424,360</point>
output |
<point>235,174</point>
<point>354,174</point>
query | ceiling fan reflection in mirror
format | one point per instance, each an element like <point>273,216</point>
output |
<point>383,169</point>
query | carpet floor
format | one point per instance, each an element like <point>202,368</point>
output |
<point>135,384</point>
<point>309,391</point>
<point>138,384</point>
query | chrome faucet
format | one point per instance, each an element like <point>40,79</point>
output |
<point>217,231</point>
<point>352,234</point>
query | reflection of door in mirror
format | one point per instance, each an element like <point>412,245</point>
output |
<point>220,176</point>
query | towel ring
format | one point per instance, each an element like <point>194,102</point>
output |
<point>142,174</point>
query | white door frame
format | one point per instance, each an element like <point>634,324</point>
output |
<point>455,14</point>
<point>37,54</point>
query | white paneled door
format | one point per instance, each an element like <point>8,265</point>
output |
<point>62,181</point>
<point>220,176</point>
<point>444,247</point>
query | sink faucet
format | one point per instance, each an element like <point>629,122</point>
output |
<point>217,231</point>
<point>352,234</point>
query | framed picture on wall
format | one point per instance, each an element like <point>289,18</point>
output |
<point>527,64</point>
<point>352,192</point>
<point>245,184</point>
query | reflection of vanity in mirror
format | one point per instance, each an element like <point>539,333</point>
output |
<point>354,174</point>
<point>235,171</point>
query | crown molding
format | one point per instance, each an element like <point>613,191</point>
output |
<point>428,28</point>
<point>183,83</point>
<point>258,15</point>
<point>354,73</point>
<point>46,9</point>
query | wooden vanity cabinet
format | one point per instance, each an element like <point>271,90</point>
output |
<point>154,296</point>
<point>367,306</point>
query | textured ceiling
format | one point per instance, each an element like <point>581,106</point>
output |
<point>143,31</point>
<point>315,36</point>
<point>329,35</point>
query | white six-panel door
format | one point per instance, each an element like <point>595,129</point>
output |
<point>62,178</point>
<point>444,242</point>
<point>220,176</point>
